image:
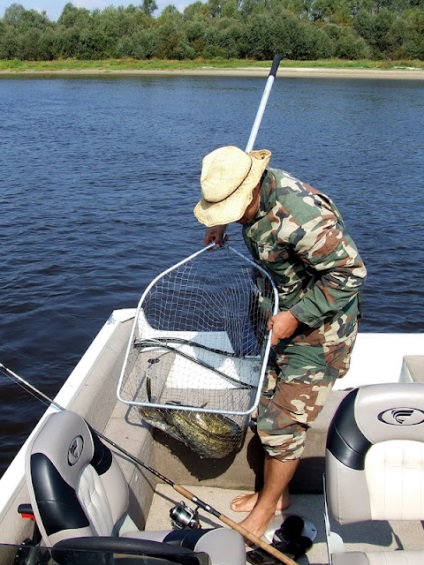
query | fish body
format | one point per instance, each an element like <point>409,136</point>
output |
<point>210,435</point>
<point>157,418</point>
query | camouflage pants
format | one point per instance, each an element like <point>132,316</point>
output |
<point>298,381</point>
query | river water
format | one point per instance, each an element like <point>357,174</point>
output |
<point>99,177</point>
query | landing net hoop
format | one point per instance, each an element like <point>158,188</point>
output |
<point>199,341</point>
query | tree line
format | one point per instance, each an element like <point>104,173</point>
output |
<point>243,29</point>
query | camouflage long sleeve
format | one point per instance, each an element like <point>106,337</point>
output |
<point>300,237</point>
<point>339,273</point>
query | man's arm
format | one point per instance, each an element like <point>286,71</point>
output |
<point>340,272</point>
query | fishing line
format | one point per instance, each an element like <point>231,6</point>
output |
<point>178,488</point>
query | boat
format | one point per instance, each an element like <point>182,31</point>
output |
<point>160,469</point>
<point>90,391</point>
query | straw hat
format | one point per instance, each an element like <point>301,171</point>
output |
<point>228,178</point>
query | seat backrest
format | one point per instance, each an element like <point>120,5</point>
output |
<point>375,454</point>
<point>75,484</point>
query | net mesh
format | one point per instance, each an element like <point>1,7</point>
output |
<point>198,349</point>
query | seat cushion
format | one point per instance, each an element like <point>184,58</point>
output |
<point>395,479</point>
<point>379,558</point>
<point>224,546</point>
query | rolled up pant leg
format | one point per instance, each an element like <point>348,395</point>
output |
<point>299,380</point>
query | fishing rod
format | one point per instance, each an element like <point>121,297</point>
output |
<point>39,395</point>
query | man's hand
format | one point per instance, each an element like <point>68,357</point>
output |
<point>283,326</point>
<point>215,234</point>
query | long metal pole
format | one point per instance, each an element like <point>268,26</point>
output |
<point>259,114</point>
<point>270,81</point>
<point>180,489</point>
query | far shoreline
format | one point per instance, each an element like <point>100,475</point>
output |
<point>289,72</point>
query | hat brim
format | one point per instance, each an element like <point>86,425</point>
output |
<point>233,208</point>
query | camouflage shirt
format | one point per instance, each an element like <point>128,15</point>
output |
<point>299,237</point>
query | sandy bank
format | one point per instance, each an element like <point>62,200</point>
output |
<point>397,74</point>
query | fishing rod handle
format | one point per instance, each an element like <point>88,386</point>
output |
<point>257,541</point>
<point>237,527</point>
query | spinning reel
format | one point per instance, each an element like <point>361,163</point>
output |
<point>183,517</point>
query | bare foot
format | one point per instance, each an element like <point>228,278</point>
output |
<point>247,502</point>
<point>258,521</point>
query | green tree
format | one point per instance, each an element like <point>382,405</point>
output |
<point>261,36</point>
<point>8,44</point>
<point>18,17</point>
<point>298,29</point>
<point>109,22</point>
<point>214,8</point>
<point>27,45</point>
<point>14,15</point>
<point>147,45</point>
<point>195,33</point>
<point>336,11</point>
<point>230,9</point>
<point>212,44</point>
<point>413,46</point>
<point>231,38</point>
<point>170,13</point>
<point>289,28</point>
<point>249,7</point>
<point>92,45</point>
<point>379,31</point>
<point>67,43</point>
<point>47,45</point>
<point>346,44</point>
<point>196,11</point>
<point>171,39</point>
<point>312,43</point>
<point>149,6</point>
<point>74,17</point>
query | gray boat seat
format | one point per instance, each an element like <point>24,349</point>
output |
<point>78,490</point>
<point>374,467</point>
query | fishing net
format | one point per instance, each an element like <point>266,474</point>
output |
<point>197,353</point>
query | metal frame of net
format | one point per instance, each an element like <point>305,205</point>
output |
<point>199,339</point>
<point>199,342</point>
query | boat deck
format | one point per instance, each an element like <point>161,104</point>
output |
<point>378,536</point>
<point>91,391</point>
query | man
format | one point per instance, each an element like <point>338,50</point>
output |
<point>298,235</point>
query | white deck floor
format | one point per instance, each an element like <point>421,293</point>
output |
<point>365,537</point>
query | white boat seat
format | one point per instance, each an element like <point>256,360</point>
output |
<point>379,558</point>
<point>375,465</point>
<point>77,490</point>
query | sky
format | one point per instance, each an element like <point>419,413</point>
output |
<point>54,8</point>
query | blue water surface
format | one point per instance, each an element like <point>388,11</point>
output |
<point>99,176</point>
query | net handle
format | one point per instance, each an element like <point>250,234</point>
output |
<point>270,80</point>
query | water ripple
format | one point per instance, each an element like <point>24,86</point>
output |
<point>99,178</point>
